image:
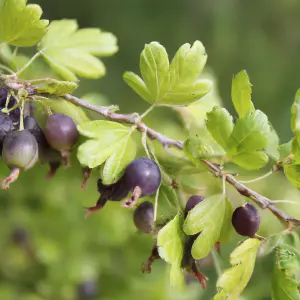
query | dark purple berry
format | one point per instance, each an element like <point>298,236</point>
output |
<point>33,127</point>
<point>61,132</point>
<point>143,217</point>
<point>191,203</point>
<point>6,126</point>
<point>246,220</point>
<point>144,174</point>
<point>113,192</point>
<point>20,149</point>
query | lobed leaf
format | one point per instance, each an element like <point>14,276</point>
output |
<point>220,125</point>
<point>71,52</point>
<point>292,173</point>
<point>109,142</point>
<point>234,280</point>
<point>241,94</point>
<point>170,242</point>
<point>20,23</point>
<point>207,217</point>
<point>174,85</point>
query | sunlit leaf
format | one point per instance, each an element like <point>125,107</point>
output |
<point>20,23</point>
<point>250,161</point>
<point>227,228</point>
<point>123,154</point>
<point>288,257</point>
<point>220,125</point>
<point>234,280</point>
<point>154,65</point>
<point>72,52</point>
<point>285,150</point>
<point>170,242</point>
<point>106,138</point>
<point>241,94</point>
<point>292,173</point>
<point>207,217</point>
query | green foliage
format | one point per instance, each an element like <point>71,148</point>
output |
<point>71,52</point>
<point>241,94</point>
<point>284,284</point>
<point>170,242</point>
<point>233,281</point>
<point>54,87</point>
<point>177,84</point>
<point>20,23</point>
<point>108,142</point>
<point>211,217</point>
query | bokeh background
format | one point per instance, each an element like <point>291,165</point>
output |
<point>48,251</point>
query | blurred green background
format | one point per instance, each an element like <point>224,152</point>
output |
<point>48,251</point>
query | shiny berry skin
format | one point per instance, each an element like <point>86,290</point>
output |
<point>61,132</point>
<point>143,173</point>
<point>245,220</point>
<point>33,127</point>
<point>191,203</point>
<point>20,149</point>
<point>143,217</point>
<point>6,125</point>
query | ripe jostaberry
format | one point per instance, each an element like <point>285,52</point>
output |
<point>46,153</point>
<point>143,178</point>
<point>245,220</point>
<point>6,126</point>
<point>20,151</point>
<point>62,134</point>
<point>143,217</point>
<point>191,203</point>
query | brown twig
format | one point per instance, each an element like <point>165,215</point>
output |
<point>260,200</point>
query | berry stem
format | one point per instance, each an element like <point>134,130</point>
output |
<point>258,178</point>
<point>21,115</point>
<point>15,172</point>
<point>216,261</point>
<point>143,115</point>
<point>27,65</point>
<point>156,205</point>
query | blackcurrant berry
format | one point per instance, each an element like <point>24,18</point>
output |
<point>33,127</point>
<point>61,133</point>
<point>20,149</point>
<point>143,217</point>
<point>142,177</point>
<point>245,220</point>
<point>6,125</point>
<point>3,96</point>
<point>191,203</point>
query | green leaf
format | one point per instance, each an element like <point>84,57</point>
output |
<point>249,133</point>
<point>284,286</point>
<point>138,85</point>
<point>292,173</point>
<point>288,257</point>
<point>174,85</point>
<point>241,94</point>
<point>59,105</point>
<point>208,218</point>
<point>234,280</point>
<point>20,23</point>
<point>123,154</point>
<point>170,242</point>
<point>295,119</point>
<point>272,147</point>
<point>285,150</point>
<point>106,139</point>
<point>168,204</point>
<point>220,125</point>
<point>227,228</point>
<point>154,65</point>
<point>54,87</point>
<point>195,150</point>
<point>71,52</point>
<point>271,243</point>
<point>250,161</point>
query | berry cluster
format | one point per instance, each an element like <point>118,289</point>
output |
<point>23,142</point>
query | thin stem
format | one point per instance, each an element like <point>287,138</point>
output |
<point>7,69</point>
<point>224,185</point>
<point>6,111</point>
<point>22,115</point>
<point>258,178</point>
<point>156,205</point>
<point>144,143</point>
<point>216,262</point>
<point>147,112</point>
<point>25,67</point>
<point>284,201</point>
